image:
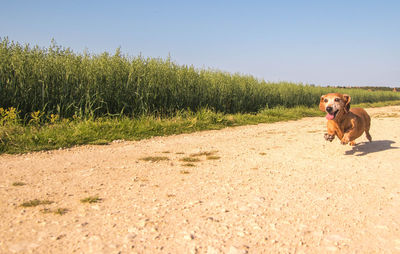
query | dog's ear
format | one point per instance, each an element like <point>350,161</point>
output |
<point>322,103</point>
<point>347,100</point>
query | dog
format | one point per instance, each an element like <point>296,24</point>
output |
<point>345,123</point>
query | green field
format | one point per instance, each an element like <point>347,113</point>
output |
<point>54,98</point>
<point>57,81</point>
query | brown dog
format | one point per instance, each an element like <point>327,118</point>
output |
<point>347,124</point>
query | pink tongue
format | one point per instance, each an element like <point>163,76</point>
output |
<point>329,116</point>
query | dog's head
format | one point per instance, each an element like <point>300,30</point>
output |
<point>335,105</point>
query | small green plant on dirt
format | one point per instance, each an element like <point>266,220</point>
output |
<point>154,158</point>
<point>203,154</point>
<point>190,159</point>
<point>188,165</point>
<point>200,154</point>
<point>213,157</point>
<point>36,202</point>
<point>91,199</point>
<point>18,183</point>
<point>58,211</point>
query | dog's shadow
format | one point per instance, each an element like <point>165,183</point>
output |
<point>371,147</point>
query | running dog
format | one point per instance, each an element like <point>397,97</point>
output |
<point>345,123</point>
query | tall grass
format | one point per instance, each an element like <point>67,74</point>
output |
<point>58,81</point>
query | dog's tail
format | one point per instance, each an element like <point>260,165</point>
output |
<point>368,124</point>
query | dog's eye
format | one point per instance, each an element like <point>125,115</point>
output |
<point>337,99</point>
<point>326,100</point>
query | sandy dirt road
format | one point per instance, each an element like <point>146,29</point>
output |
<point>275,188</point>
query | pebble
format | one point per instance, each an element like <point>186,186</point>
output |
<point>189,236</point>
<point>142,223</point>
<point>234,250</point>
<point>95,207</point>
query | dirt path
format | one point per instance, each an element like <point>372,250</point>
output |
<point>269,188</point>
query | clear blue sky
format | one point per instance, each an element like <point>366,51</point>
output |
<point>316,42</point>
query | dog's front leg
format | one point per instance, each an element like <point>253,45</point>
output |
<point>349,137</point>
<point>333,130</point>
<point>345,140</point>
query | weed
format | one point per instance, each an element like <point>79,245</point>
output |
<point>213,157</point>
<point>91,199</point>
<point>9,116</point>
<point>61,211</point>
<point>18,183</point>
<point>154,158</point>
<point>190,159</point>
<point>36,202</point>
<point>58,211</point>
<point>188,165</point>
<point>203,154</point>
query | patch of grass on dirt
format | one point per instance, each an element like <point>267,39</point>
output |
<point>18,183</point>
<point>154,158</point>
<point>190,159</point>
<point>61,211</point>
<point>213,157</point>
<point>91,199</point>
<point>58,211</point>
<point>188,165</point>
<point>36,202</point>
<point>202,154</point>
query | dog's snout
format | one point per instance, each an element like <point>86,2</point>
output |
<point>329,109</point>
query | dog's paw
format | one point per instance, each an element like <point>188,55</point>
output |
<point>329,137</point>
<point>345,140</point>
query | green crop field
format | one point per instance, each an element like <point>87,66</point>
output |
<point>53,98</point>
<point>57,81</point>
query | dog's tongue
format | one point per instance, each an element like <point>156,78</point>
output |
<point>329,116</point>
